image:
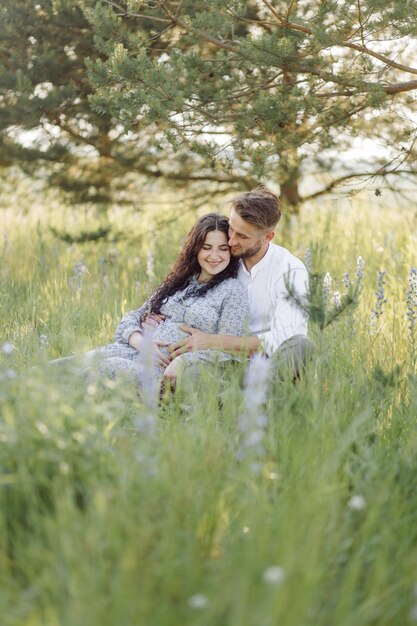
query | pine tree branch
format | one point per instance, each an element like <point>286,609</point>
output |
<point>380,57</point>
<point>72,133</point>
<point>184,176</point>
<point>363,87</point>
<point>342,118</point>
<point>263,23</point>
<point>176,21</point>
<point>400,87</point>
<point>367,175</point>
<point>391,90</point>
<point>290,7</point>
<point>283,22</point>
<point>124,12</point>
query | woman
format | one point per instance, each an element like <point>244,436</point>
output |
<point>200,291</point>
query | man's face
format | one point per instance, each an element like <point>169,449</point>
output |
<point>245,239</point>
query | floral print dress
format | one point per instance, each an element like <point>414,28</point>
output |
<point>222,310</point>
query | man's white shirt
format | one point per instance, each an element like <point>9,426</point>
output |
<point>273,317</point>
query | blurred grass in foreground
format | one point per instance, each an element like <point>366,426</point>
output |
<point>103,523</point>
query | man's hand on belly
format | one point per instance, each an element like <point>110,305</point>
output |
<point>197,340</point>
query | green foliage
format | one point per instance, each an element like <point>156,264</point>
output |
<point>281,87</point>
<point>321,304</point>
<point>230,93</point>
<point>44,87</point>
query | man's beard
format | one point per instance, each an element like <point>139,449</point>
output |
<point>247,253</point>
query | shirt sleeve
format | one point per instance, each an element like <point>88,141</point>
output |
<point>288,318</point>
<point>233,320</point>
<point>130,323</point>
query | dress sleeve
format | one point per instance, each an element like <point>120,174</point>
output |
<point>130,323</point>
<point>233,320</point>
<point>288,319</point>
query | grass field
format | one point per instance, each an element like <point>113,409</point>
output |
<point>109,518</point>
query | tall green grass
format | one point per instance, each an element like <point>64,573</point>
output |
<point>104,522</point>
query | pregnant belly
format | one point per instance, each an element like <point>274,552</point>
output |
<point>168,331</point>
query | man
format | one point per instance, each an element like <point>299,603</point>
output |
<point>277,326</point>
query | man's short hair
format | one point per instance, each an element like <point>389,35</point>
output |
<point>260,207</point>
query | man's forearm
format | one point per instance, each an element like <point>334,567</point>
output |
<point>199,340</point>
<point>247,345</point>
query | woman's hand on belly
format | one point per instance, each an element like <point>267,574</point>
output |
<point>159,358</point>
<point>151,320</point>
<point>138,341</point>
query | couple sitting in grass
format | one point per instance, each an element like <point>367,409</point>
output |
<point>225,298</point>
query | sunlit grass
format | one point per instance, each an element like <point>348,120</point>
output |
<point>105,523</point>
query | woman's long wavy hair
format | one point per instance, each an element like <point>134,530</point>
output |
<point>187,264</point>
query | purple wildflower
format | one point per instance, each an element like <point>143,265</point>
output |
<point>411,300</point>
<point>307,260</point>
<point>380,297</point>
<point>80,269</point>
<point>253,421</point>
<point>346,282</point>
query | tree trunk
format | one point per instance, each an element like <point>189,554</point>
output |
<point>290,198</point>
<point>289,158</point>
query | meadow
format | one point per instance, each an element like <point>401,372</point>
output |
<point>112,517</point>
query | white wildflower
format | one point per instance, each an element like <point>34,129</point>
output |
<point>357,503</point>
<point>150,265</point>
<point>198,601</point>
<point>274,575</point>
<point>337,299</point>
<point>7,348</point>
<point>327,288</point>
<point>327,281</point>
<point>360,273</point>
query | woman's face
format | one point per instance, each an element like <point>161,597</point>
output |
<point>214,255</point>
